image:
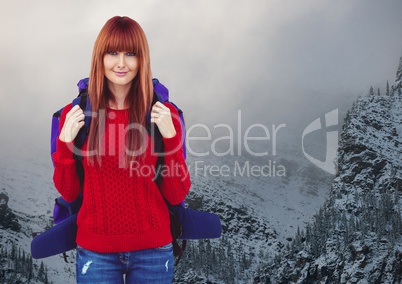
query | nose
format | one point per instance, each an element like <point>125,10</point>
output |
<point>121,60</point>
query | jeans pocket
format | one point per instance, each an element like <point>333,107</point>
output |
<point>167,247</point>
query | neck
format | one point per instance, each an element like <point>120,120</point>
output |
<point>118,96</point>
<point>116,104</point>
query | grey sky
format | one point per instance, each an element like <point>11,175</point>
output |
<point>279,61</point>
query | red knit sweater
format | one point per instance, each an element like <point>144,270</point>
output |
<point>123,209</point>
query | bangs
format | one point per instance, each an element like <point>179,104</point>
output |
<point>123,38</point>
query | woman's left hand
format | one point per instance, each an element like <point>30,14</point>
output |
<point>162,117</point>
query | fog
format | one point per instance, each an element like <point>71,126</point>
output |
<point>278,61</point>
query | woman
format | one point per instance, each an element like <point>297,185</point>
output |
<point>123,224</point>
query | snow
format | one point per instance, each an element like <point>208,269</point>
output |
<point>360,235</point>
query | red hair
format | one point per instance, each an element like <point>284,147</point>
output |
<point>120,34</point>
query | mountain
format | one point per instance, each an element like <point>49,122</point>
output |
<point>26,181</point>
<point>266,205</point>
<point>356,234</point>
<point>261,202</point>
<point>260,211</point>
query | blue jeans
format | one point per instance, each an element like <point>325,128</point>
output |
<point>143,266</point>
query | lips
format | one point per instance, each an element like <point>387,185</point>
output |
<point>120,74</point>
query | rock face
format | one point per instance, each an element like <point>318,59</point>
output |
<point>8,220</point>
<point>356,236</point>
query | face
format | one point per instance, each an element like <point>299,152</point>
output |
<point>120,68</point>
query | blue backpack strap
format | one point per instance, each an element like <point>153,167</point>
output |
<point>197,224</point>
<point>63,209</point>
<point>160,90</point>
<point>83,101</point>
<point>162,95</point>
<point>83,84</point>
<point>183,129</point>
<point>58,239</point>
<point>55,132</point>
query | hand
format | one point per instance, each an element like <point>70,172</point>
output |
<point>73,123</point>
<point>161,116</point>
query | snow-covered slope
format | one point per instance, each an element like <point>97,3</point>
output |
<point>26,179</point>
<point>258,211</point>
<point>356,235</point>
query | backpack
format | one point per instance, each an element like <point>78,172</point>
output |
<point>185,223</point>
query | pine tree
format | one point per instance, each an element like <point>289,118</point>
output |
<point>308,233</point>
<point>30,268</point>
<point>371,92</point>
<point>378,92</point>
<point>396,88</point>
<point>13,252</point>
<point>209,265</point>
<point>3,257</point>
<point>398,80</point>
<point>46,281</point>
<point>387,90</point>
<point>41,272</point>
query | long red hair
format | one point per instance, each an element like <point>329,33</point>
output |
<point>120,34</point>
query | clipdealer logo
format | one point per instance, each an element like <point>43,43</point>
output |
<point>331,119</point>
<point>244,139</point>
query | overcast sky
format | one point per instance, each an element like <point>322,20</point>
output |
<point>278,61</point>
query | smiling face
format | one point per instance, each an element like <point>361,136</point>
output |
<point>120,69</point>
<point>120,79</point>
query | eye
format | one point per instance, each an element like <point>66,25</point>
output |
<point>112,52</point>
<point>131,54</point>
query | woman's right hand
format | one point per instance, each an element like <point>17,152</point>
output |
<point>73,123</point>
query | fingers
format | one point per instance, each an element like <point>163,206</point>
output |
<point>73,123</point>
<point>159,111</point>
<point>158,107</point>
<point>75,114</point>
<point>162,117</point>
<point>75,117</point>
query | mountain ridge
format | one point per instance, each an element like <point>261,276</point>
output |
<point>356,234</point>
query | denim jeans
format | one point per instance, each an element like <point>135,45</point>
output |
<point>143,266</point>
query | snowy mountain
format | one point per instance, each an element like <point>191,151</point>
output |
<point>26,180</point>
<point>259,211</point>
<point>266,205</point>
<point>356,235</point>
<point>258,214</point>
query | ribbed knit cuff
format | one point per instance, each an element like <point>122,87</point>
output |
<point>65,149</point>
<point>172,145</point>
